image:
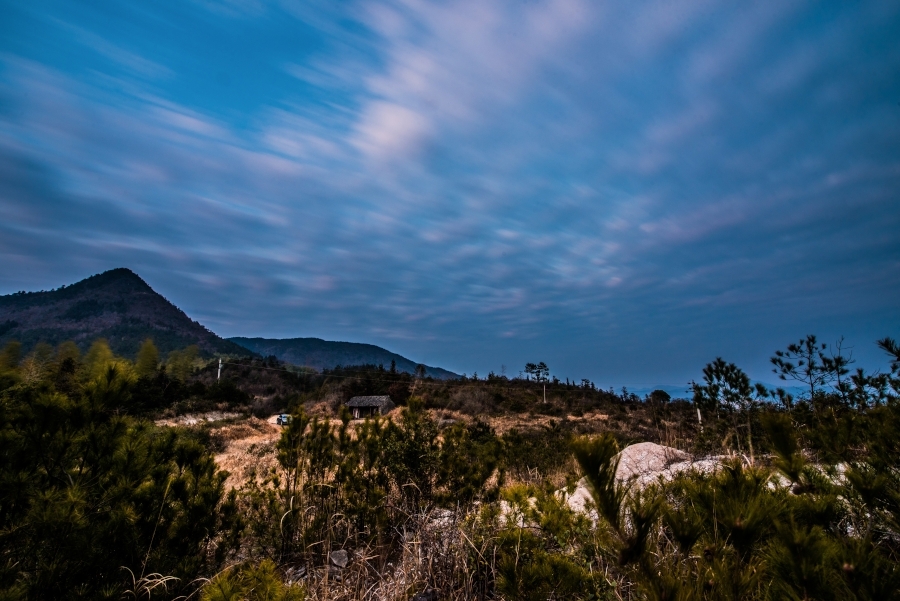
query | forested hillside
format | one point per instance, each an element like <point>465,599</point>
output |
<point>322,354</point>
<point>116,305</point>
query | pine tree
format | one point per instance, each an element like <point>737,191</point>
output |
<point>98,358</point>
<point>147,360</point>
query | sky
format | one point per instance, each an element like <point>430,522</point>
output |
<point>624,190</point>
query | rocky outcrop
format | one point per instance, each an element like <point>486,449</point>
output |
<point>647,460</point>
<point>643,464</point>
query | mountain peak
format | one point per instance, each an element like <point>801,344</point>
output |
<point>117,305</point>
<point>119,275</point>
<point>119,272</point>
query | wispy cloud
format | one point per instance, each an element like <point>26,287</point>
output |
<point>619,190</point>
<point>118,54</point>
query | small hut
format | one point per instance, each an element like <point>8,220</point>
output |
<point>366,406</point>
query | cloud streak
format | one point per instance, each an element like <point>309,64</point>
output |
<point>623,192</point>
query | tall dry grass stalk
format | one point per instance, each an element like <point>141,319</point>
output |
<point>434,554</point>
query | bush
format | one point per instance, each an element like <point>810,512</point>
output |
<point>249,582</point>
<point>226,392</point>
<point>263,408</point>
<point>85,490</point>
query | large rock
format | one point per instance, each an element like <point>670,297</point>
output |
<point>647,458</point>
<point>643,464</point>
<point>646,463</point>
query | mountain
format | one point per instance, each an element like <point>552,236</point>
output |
<point>322,354</point>
<point>116,305</point>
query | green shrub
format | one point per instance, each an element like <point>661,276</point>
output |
<point>86,491</point>
<point>260,582</point>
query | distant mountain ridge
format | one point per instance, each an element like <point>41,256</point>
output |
<point>322,354</point>
<point>122,308</point>
<point>117,305</point>
<point>684,392</point>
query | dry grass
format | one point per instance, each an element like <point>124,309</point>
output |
<point>434,551</point>
<point>433,555</point>
<point>249,446</point>
<point>525,423</point>
<point>192,419</point>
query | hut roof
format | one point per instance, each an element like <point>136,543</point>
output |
<point>370,401</point>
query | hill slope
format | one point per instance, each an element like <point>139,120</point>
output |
<point>116,305</point>
<point>322,354</point>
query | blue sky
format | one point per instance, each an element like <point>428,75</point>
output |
<point>622,190</point>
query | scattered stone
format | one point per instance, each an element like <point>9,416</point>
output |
<point>334,573</point>
<point>427,595</point>
<point>340,558</point>
<point>292,575</point>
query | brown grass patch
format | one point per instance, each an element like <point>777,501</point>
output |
<point>249,447</point>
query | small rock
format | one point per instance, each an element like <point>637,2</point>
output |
<point>428,595</point>
<point>293,575</point>
<point>340,558</point>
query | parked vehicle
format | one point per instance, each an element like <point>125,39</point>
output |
<point>283,419</point>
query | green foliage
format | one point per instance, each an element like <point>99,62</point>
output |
<point>9,363</point>
<point>538,546</point>
<point>259,582</point>
<point>726,392</point>
<point>98,357</point>
<point>180,364</point>
<point>412,454</point>
<point>539,371</point>
<point>67,350</point>
<point>726,387</point>
<point>598,459</point>
<point>147,361</point>
<point>659,397</point>
<point>805,362</point>
<point>537,454</point>
<point>469,456</point>
<point>362,484</point>
<point>783,438</point>
<point>11,356</point>
<point>629,515</point>
<point>823,530</point>
<point>86,490</point>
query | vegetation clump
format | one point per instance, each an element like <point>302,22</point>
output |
<point>88,493</point>
<point>97,501</point>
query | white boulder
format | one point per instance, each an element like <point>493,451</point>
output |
<point>643,464</point>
